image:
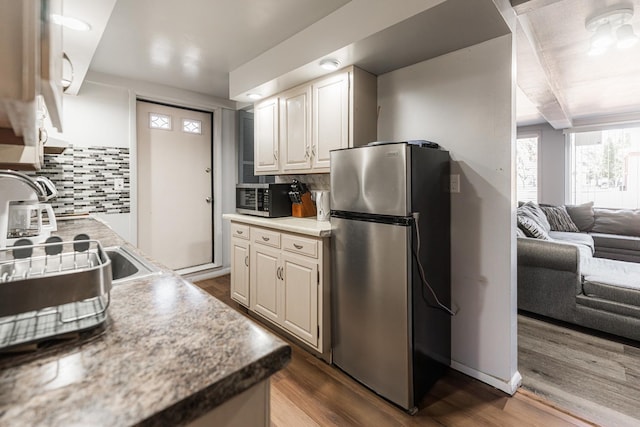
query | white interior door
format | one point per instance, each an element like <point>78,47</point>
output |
<point>175,207</point>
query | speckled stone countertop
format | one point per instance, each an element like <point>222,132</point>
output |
<point>167,354</point>
<point>309,226</point>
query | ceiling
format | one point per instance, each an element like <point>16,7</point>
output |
<point>195,45</point>
<point>565,86</point>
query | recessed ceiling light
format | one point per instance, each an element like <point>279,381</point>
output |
<point>254,96</point>
<point>330,64</point>
<point>70,22</point>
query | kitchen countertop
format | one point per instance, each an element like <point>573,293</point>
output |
<point>309,226</point>
<point>167,354</point>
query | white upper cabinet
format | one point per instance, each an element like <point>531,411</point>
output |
<point>330,118</point>
<point>267,139</point>
<point>295,129</point>
<point>336,111</point>
<point>31,70</point>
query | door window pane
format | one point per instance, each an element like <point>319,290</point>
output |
<point>527,169</point>
<point>159,121</point>
<point>605,168</point>
<point>192,126</point>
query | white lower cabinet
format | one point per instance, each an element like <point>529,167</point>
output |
<point>264,284</point>
<point>240,256</point>
<point>300,282</point>
<point>286,281</point>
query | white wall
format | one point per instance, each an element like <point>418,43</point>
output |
<point>103,114</point>
<point>551,162</point>
<point>99,117</point>
<point>465,101</point>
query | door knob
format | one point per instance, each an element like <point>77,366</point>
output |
<point>208,200</point>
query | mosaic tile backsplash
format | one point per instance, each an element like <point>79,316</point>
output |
<point>85,178</point>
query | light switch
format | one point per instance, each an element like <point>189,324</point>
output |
<point>454,183</point>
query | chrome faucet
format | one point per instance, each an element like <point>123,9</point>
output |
<point>45,191</point>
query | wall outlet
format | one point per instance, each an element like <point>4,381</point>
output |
<point>118,184</point>
<point>454,183</point>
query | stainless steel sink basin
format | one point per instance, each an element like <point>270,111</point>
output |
<point>125,265</point>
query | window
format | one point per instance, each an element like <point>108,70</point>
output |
<point>605,168</point>
<point>159,121</point>
<point>527,168</point>
<point>245,150</point>
<point>192,126</point>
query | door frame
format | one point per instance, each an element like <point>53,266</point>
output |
<point>216,176</point>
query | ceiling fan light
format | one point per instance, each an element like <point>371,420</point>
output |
<point>603,37</point>
<point>626,37</point>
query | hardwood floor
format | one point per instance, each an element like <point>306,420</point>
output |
<point>596,377</point>
<point>309,392</point>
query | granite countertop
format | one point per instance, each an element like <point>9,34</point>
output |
<point>167,354</point>
<point>309,226</point>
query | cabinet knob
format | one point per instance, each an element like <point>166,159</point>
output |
<point>239,231</point>
<point>208,200</point>
<point>246,261</point>
<point>297,246</point>
<point>275,155</point>
<point>208,170</point>
<point>266,239</point>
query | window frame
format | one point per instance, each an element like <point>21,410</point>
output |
<point>527,135</point>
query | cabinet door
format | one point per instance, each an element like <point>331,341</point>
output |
<point>295,129</point>
<point>300,297</point>
<point>266,137</point>
<point>240,271</point>
<point>265,273</point>
<point>330,118</point>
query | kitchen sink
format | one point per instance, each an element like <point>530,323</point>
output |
<point>125,265</point>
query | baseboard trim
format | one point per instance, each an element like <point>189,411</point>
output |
<point>509,387</point>
<point>207,274</point>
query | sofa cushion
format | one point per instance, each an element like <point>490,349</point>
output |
<point>615,241</point>
<point>582,215</point>
<point>559,219</point>
<point>617,221</point>
<point>602,271</point>
<point>605,291</point>
<point>582,239</point>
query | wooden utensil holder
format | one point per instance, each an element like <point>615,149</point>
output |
<point>304,209</point>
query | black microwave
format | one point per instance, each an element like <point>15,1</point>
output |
<point>270,200</point>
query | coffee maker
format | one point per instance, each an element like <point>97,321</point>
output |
<point>22,211</point>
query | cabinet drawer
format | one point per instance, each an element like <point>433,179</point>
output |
<point>239,230</point>
<point>265,237</point>
<point>300,245</point>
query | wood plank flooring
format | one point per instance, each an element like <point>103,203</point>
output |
<point>310,392</point>
<point>596,377</point>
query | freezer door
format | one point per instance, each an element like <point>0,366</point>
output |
<point>370,282</point>
<point>371,180</point>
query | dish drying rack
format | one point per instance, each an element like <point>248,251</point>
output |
<point>51,289</point>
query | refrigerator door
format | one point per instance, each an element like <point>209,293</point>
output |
<point>372,179</point>
<point>370,303</point>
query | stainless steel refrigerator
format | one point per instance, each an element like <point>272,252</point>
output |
<point>388,329</point>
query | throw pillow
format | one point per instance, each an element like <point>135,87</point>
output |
<point>533,211</point>
<point>559,219</point>
<point>617,221</point>
<point>582,215</point>
<point>531,228</point>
